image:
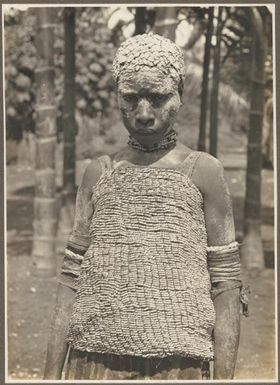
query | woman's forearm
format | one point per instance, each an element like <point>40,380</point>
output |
<point>226,333</point>
<point>57,347</point>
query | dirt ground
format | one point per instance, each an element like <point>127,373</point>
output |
<point>31,299</point>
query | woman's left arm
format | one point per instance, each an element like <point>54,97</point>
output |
<point>209,178</point>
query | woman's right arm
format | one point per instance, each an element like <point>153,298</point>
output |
<point>67,280</point>
<point>57,346</point>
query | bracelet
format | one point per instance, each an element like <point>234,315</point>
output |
<point>244,292</point>
<point>224,263</point>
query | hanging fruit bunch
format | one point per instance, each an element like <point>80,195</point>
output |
<point>94,55</point>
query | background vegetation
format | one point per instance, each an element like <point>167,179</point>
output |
<point>96,113</point>
<point>99,31</point>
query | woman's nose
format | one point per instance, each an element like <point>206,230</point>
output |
<point>144,113</point>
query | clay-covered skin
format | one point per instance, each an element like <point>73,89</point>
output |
<point>149,51</point>
<point>149,103</point>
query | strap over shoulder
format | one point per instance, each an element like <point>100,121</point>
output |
<point>187,166</point>
<point>105,163</point>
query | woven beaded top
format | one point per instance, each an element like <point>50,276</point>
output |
<point>144,287</point>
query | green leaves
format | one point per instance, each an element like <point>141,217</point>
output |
<point>10,71</point>
<point>11,112</point>
<point>96,68</point>
<point>94,55</point>
<point>23,97</point>
<point>23,81</point>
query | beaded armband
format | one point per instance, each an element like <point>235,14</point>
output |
<point>224,262</point>
<point>76,247</point>
<point>71,266</point>
<point>224,266</point>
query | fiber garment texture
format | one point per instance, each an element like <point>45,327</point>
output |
<point>144,287</point>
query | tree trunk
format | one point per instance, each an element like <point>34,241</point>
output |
<point>205,80</point>
<point>45,204</point>
<point>67,210</point>
<point>140,21</point>
<point>252,249</point>
<point>166,22</point>
<point>214,102</point>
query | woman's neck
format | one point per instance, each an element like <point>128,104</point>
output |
<point>167,142</point>
<point>162,158</point>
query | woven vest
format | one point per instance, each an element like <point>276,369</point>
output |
<point>144,287</point>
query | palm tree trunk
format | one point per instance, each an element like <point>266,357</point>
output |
<point>252,250</point>
<point>69,131</point>
<point>166,22</point>
<point>45,204</point>
<point>214,102</point>
<point>205,80</point>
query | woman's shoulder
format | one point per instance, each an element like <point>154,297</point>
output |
<point>208,163</point>
<point>208,172</point>
<point>202,162</point>
<point>97,167</point>
<point>92,173</point>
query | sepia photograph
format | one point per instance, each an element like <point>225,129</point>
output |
<point>140,192</point>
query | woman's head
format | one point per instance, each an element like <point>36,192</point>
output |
<point>149,71</point>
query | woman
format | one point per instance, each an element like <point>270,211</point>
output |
<point>153,234</point>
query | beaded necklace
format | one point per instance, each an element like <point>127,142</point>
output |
<point>168,141</point>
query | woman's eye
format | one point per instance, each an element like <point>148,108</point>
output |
<point>157,99</point>
<point>130,98</point>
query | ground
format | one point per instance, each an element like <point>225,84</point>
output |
<point>31,299</point>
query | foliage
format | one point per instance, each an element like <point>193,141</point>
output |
<point>94,54</point>
<point>236,43</point>
<point>20,62</point>
<point>237,39</point>
<point>95,48</point>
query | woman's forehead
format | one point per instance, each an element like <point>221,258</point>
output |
<point>152,81</point>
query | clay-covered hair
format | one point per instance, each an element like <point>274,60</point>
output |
<point>149,51</point>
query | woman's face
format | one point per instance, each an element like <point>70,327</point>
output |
<point>149,104</point>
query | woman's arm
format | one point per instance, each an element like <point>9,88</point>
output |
<point>67,280</point>
<point>57,347</point>
<point>209,178</point>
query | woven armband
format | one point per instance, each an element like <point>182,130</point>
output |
<point>224,263</point>
<point>71,266</point>
<point>224,266</point>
